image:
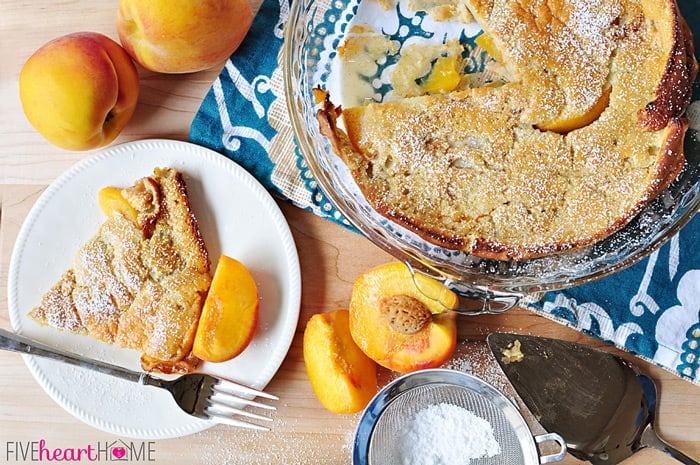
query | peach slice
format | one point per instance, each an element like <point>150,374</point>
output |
<point>485,41</point>
<point>568,122</point>
<point>111,200</point>
<point>565,122</point>
<point>342,376</point>
<point>401,320</point>
<point>444,77</point>
<point>229,315</point>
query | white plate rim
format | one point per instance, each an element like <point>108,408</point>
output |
<point>37,366</point>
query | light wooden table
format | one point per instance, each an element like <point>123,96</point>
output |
<point>331,258</point>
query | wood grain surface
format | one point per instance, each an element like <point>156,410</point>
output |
<point>331,258</point>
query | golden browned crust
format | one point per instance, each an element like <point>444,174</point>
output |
<point>524,170</point>
<point>674,91</point>
<point>139,284</point>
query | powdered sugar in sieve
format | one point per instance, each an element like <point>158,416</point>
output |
<point>394,416</point>
<point>446,434</point>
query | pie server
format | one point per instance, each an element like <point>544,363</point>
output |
<point>601,405</point>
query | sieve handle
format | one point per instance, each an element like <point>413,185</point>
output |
<point>559,456</point>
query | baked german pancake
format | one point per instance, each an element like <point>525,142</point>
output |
<point>140,282</point>
<point>585,131</point>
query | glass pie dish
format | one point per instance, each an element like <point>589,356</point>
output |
<point>313,33</point>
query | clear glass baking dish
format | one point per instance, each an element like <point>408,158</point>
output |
<point>313,31</point>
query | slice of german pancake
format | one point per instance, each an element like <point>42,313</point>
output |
<point>586,132</point>
<point>140,282</point>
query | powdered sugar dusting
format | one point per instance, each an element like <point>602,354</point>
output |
<point>587,44</point>
<point>526,168</point>
<point>237,447</point>
<point>136,289</point>
<point>475,358</point>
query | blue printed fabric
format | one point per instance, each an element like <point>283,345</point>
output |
<point>244,116</point>
<point>651,309</point>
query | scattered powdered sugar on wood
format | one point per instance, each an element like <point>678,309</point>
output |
<point>445,434</point>
<point>475,358</point>
<point>301,435</point>
<point>292,441</point>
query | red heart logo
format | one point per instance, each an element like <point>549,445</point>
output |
<point>118,452</point>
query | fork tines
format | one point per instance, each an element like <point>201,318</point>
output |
<point>228,399</point>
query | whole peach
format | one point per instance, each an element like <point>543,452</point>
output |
<point>182,36</point>
<point>79,90</point>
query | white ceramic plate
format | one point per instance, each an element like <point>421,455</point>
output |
<point>237,217</point>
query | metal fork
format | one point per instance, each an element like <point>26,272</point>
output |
<point>202,396</point>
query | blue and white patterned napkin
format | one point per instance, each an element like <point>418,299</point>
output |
<point>651,309</point>
<point>244,116</point>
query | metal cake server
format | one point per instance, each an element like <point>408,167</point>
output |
<point>601,405</point>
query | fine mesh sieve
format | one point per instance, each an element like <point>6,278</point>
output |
<point>377,440</point>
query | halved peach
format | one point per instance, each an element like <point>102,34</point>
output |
<point>343,378</point>
<point>401,320</point>
<point>229,315</point>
